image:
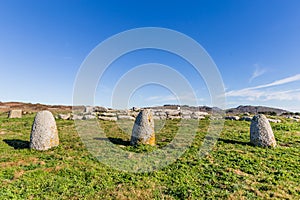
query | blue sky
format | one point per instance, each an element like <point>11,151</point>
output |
<point>255,45</point>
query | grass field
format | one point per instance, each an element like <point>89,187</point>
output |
<point>233,170</point>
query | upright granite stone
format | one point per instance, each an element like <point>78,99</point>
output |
<point>44,133</point>
<point>15,114</point>
<point>261,133</point>
<point>143,129</point>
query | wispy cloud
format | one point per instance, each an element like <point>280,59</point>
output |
<point>170,98</point>
<point>255,93</point>
<point>258,72</point>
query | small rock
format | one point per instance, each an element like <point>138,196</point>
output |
<point>160,113</point>
<point>108,114</point>
<point>77,117</point>
<point>44,133</point>
<point>185,112</point>
<point>274,120</point>
<point>261,133</point>
<point>15,114</point>
<point>234,118</point>
<point>100,109</point>
<point>245,118</point>
<point>64,116</point>
<point>172,112</point>
<point>88,117</point>
<point>122,112</point>
<point>108,118</point>
<point>199,113</point>
<point>197,117</point>
<point>126,117</point>
<point>143,129</point>
<point>186,117</point>
<point>88,109</point>
<point>173,117</point>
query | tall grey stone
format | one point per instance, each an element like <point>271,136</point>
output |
<point>143,129</point>
<point>261,133</point>
<point>44,133</point>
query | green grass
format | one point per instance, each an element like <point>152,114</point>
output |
<point>234,169</point>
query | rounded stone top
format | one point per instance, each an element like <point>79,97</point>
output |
<point>258,117</point>
<point>44,133</point>
<point>261,133</point>
<point>143,128</point>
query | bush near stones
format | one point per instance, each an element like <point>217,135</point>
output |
<point>44,134</point>
<point>261,133</point>
<point>143,129</point>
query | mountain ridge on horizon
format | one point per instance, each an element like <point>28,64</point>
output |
<point>6,106</point>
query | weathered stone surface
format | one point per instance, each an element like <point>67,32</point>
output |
<point>44,133</point>
<point>160,113</point>
<point>122,112</point>
<point>133,114</point>
<point>172,112</point>
<point>88,109</point>
<point>186,117</point>
<point>108,118</point>
<point>143,129</point>
<point>274,120</point>
<point>197,117</point>
<point>185,112</point>
<point>88,117</point>
<point>157,117</point>
<point>64,116</point>
<point>100,109</point>
<point>199,113</point>
<point>174,117</point>
<point>109,114</point>
<point>261,133</point>
<point>126,117</point>
<point>15,114</point>
<point>77,117</point>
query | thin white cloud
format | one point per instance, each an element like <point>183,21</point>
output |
<point>257,92</point>
<point>170,98</point>
<point>258,72</point>
<point>253,90</point>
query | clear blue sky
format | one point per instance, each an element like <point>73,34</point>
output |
<point>255,44</point>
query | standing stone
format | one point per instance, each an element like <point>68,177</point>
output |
<point>15,114</point>
<point>261,133</point>
<point>44,133</point>
<point>143,129</point>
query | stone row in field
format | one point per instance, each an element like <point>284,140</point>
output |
<point>114,115</point>
<point>248,118</point>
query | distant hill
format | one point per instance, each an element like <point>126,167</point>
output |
<point>6,106</point>
<point>256,109</point>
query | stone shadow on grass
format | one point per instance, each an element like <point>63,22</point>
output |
<point>234,142</point>
<point>17,144</point>
<point>118,141</point>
